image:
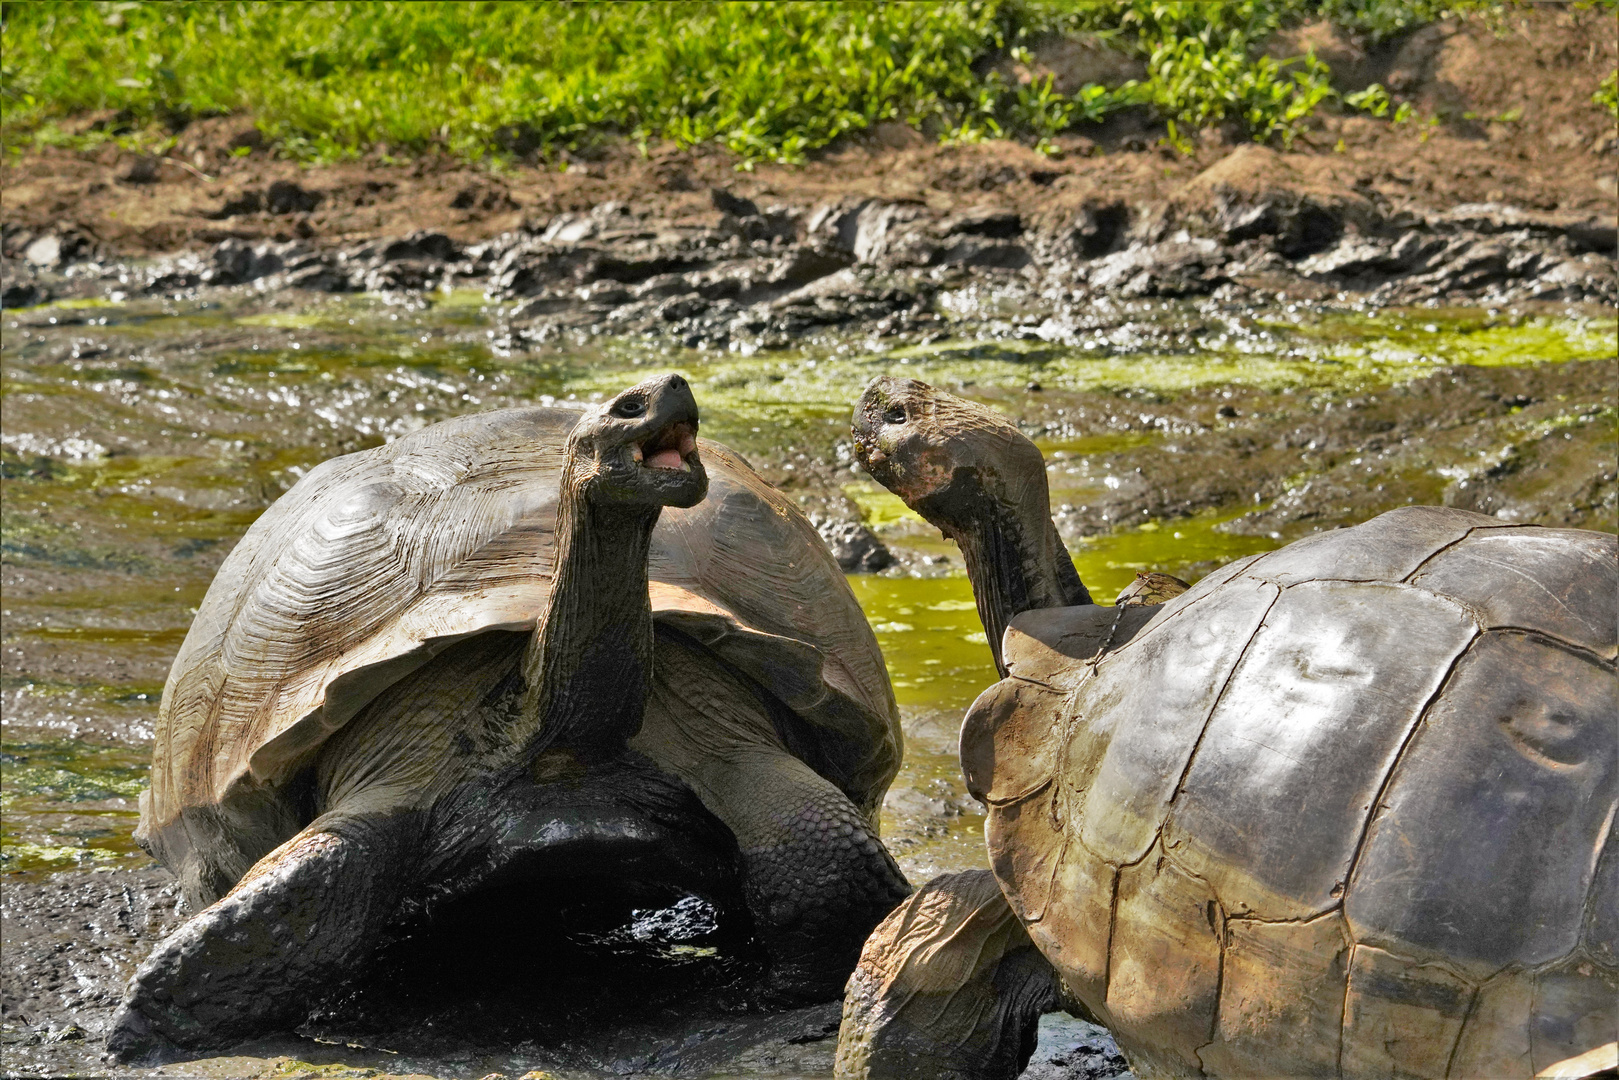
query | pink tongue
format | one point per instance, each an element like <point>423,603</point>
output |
<point>665,459</point>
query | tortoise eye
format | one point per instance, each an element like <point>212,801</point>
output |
<point>894,415</point>
<point>628,408</point>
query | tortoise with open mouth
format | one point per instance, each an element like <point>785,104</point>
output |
<point>1342,809</point>
<point>516,647</point>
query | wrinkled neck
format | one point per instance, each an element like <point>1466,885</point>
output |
<point>1015,559</point>
<point>589,668</point>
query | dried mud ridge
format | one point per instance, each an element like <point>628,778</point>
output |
<point>765,276</point>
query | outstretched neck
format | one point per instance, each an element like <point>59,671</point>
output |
<point>589,668</point>
<point>1015,558</point>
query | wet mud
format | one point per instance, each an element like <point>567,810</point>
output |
<point>143,435</point>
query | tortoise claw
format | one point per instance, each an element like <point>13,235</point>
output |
<point>133,1040</point>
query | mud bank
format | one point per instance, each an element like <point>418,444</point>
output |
<point>71,941</point>
<point>1500,188</point>
<point>755,276</point>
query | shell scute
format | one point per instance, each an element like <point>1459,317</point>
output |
<point>1076,934</point>
<point>1136,724</point>
<point>1164,966</point>
<point>1209,583</point>
<point>1281,998</point>
<point>1301,741</point>
<point>1050,645</point>
<point>1561,582</point>
<point>1025,849</point>
<point>1010,738</point>
<point>1495,1039</point>
<point>1387,548</point>
<point>1600,935</point>
<point>1576,1009</point>
<point>1401,1018</point>
<point>1520,744</point>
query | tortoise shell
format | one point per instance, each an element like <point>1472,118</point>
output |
<point>1344,808</point>
<point>376,561</point>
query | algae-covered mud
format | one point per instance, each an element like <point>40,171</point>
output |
<point>141,438</point>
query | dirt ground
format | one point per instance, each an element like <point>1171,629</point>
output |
<point>1530,137</point>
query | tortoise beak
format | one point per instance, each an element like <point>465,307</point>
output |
<point>667,452</point>
<point>671,422</point>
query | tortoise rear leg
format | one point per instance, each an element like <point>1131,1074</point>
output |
<point>949,987</point>
<point>302,920</point>
<point>815,876</point>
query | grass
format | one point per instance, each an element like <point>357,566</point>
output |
<point>772,80</point>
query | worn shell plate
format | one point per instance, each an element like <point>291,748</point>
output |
<point>376,561</point>
<point>1385,759</point>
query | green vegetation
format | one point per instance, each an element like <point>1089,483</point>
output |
<point>767,80</point>
<point>1607,95</point>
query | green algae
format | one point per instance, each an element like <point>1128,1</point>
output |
<point>1318,350</point>
<point>880,508</point>
<point>286,320</point>
<point>88,303</point>
<point>68,803</point>
<point>1109,561</point>
<point>70,771</point>
<point>1409,339</point>
<point>929,632</point>
<point>111,635</point>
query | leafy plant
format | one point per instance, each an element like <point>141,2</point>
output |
<point>1607,94</point>
<point>767,80</point>
<point>1374,99</point>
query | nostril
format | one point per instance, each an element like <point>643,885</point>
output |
<point>676,382</point>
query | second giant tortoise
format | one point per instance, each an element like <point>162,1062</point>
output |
<point>1342,809</point>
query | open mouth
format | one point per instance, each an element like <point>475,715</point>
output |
<point>670,448</point>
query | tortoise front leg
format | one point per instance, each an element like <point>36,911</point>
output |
<point>815,876</point>
<point>304,919</point>
<point>949,987</point>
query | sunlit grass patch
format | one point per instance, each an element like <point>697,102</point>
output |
<point>767,80</point>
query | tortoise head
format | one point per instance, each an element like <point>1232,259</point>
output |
<point>639,448</point>
<point>941,454</point>
<point>974,476</point>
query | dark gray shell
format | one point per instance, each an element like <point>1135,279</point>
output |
<point>1340,809</point>
<point>376,561</point>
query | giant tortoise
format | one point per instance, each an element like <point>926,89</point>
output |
<point>478,655</point>
<point>1341,809</point>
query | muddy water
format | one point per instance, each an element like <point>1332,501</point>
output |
<point>142,438</point>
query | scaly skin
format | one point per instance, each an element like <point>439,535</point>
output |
<point>949,987</point>
<point>974,476</point>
